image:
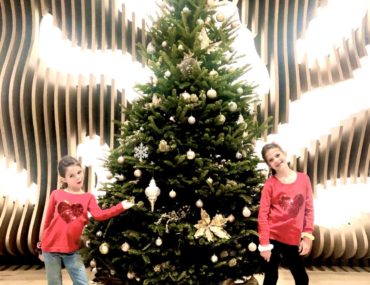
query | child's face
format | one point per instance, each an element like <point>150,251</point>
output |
<point>74,177</point>
<point>275,158</point>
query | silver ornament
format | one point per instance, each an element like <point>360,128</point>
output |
<point>152,192</point>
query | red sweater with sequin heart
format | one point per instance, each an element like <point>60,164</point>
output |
<point>66,217</point>
<point>286,210</point>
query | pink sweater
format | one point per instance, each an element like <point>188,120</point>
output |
<point>66,217</point>
<point>286,210</point>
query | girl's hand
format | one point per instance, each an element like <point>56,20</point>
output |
<point>305,246</point>
<point>266,254</point>
<point>127,204</point>
<point>41,257</point>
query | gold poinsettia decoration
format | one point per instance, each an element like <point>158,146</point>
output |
<point>211,228</point>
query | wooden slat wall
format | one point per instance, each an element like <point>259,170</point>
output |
<point>46,114</point>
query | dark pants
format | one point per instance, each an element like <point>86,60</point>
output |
<point>292,259</point>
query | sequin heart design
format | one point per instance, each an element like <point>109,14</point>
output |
<point>291,205</point>
<point>69,212</point>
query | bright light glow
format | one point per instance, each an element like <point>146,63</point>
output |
<point>59,55</point>
<point>14,185</point>
<point>245,49</point>
<point>334,22</point>
<point>308,120</point>
<point>93,154</point>
<point>339,205</point>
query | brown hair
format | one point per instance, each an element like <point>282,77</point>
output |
<point>266,148</point>
<point>65,162</point>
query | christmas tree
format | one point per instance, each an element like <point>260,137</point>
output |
<point>186,156</point>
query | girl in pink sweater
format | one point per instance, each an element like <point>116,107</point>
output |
<point>285,217</point>
<point>66,216</point>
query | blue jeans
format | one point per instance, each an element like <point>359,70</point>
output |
<point>72,262</point>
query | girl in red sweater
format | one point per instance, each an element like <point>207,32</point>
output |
<point>285,217</point>
<point>66,216</point>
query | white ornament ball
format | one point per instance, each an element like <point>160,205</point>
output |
<point>238,155</point>
<point>185,96</point>
<point>120,177</point>
<point>92,263</point>
<point>185,10</point>
<point>167,74</point>
<point>211,93</point>
<point>120,159</point>
<point>158,241</point>
<point>150,48</point>
<point>191,120</point>
<point>164,44</point>
<point>112,272</point>
<point>252,247</point>
<point>99,233</point>
<point>209,180</point>
<point>109,175</point>
<point>104,248</point>
<point>137,173</point>
<point>240,91</point>
<point>125,247</point>
<point>199,203</point>
<point>87,243</point>
<point>246,212</point>
<point>200,22</point>
<point>231,218</point>
<point>214,258</point>
<point>233,107</point>
<point>172,193</point>
<point>190,154</point>
<point>213,73</point>
<point>180,47</point>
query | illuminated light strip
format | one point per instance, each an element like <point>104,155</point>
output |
<point>333,23</point>
<point>13,183</point>
<point>58,54</point>
<point>344,202</point>
<point>309,120</point>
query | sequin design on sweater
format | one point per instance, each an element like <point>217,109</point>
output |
<point>291,205</point>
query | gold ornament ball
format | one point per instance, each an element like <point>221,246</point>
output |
<point>104,248</point>
<point>220,17</point>
<point>130,275</point>
<point>252,247</point>
<point>137,173</point>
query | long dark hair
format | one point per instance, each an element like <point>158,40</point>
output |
<point>266,148</point>
<point>65,162</point>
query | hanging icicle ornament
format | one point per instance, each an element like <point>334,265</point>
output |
<point>152,192</point>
